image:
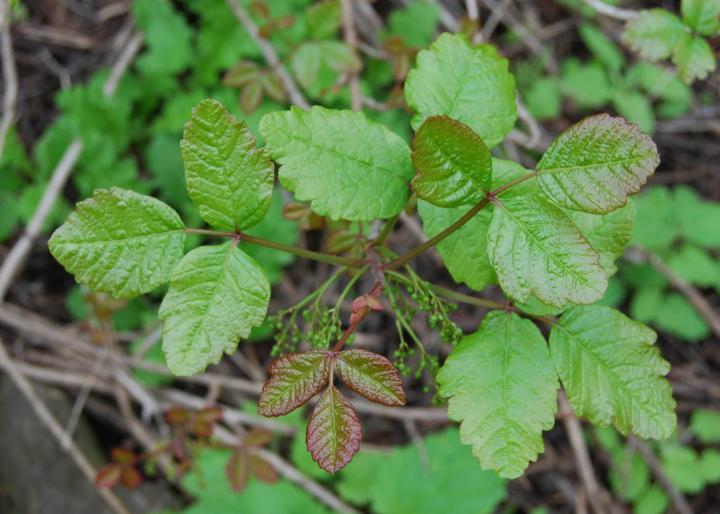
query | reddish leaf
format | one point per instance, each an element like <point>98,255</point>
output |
<point>238,471</point>
<point>262,470</point>
<point>122,455</point>
<point>108,475</point>
<point>202,428</point>
<point>212,414</point>
<point>257,437</point>
<point>294,379</point>
<point>131,478</point>
<point>251,95</point>
<point>241,74</point>
<point>333,434</point>
<point>177,415</point>
<point>372,376</point>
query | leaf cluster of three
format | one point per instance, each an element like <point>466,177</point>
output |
<point>551,239</point>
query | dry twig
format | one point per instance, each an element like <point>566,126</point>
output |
<point>612,11</point>
<point>9,73</point>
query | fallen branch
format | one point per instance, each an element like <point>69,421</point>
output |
<point>47,419</point>
<point>15,260</point>
<point>612,11</point>
<point>269,54</point>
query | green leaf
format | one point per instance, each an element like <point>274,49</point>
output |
<point>608,234</point>
<point>346,166</point>
<point>488,377</point>
<point>318,64</point>
<point>695,265</point>
<point>694,58</point>
<point>416,23</point>
<point>465,250</point>
<point>653,34</point>
<point>646,304</point>
<point>370,375</point>
<point>323,19</point>
<point>207,481</point>
<point>682,468</point>
<point>710,466</point>
<point>587,84</point>
<point>216,296</point>
<point>544,98</point>
<point>536,249</point>
<point>294,379</point>
<point>612,372</point>
<point>698,219</point>
<point>443,478</point>
<point>595,164</point>
<point>472,85</point>
<point>703,16</point>
<point>334,433</point>
<point>656,220</point>
<point>705,424</point>
<point>636,108</point>
<point>454,167</point>
<point>120,242</point>
<point>166,35</point>
<point>602,47</point>
<point>228,177</point>
<point>653,501</point>
<point>678,317</point>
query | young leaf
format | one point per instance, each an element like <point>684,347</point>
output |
<point>602,47</point>
<point>120,242</point>
<point>228,178</point>
<point>536,249</point>
<point>453,164</point>
<point>502,388</point>
<point>694,58</point>
<point>294,379</point>
<point>216,296</point>
<point>653,33</point>
<point>238,471</point>
<point>469,84</point>
<point>333,434</point>
<point>371,375</point>
<point>612,372</point>
<point>262,470</point>
<point>703,16</point>
<point>595,164</point>
<point>347,166</point>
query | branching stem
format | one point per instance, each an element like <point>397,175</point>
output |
<point>300,252</point>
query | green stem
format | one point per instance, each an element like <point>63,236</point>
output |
<point>386,231</point>
<point>300,252</point>
<point>403,259</point>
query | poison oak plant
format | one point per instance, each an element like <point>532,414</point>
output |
<point>549,237</point>
<point>658,34</point>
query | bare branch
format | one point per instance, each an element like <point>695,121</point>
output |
<point>9,73</point>
<point>612,11</point>
<point>269,54</point>
<point>351,40</point>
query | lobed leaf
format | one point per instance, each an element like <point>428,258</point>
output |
<point>612,372</point>
<point>333,434</point>
<point>653,34</point>
<point>216,296</point>
<point>347,166</point>
<point>694,58</point>
<point>120,242</point>
<point>536,249</point>
<point>371,375</point>
<point>228,177</point>
<point>595,164</point>
<point>294,379</point>
<point>703,16</point>
<point>502,388</point>
<point>454,166</point>
<point>466,83</point>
